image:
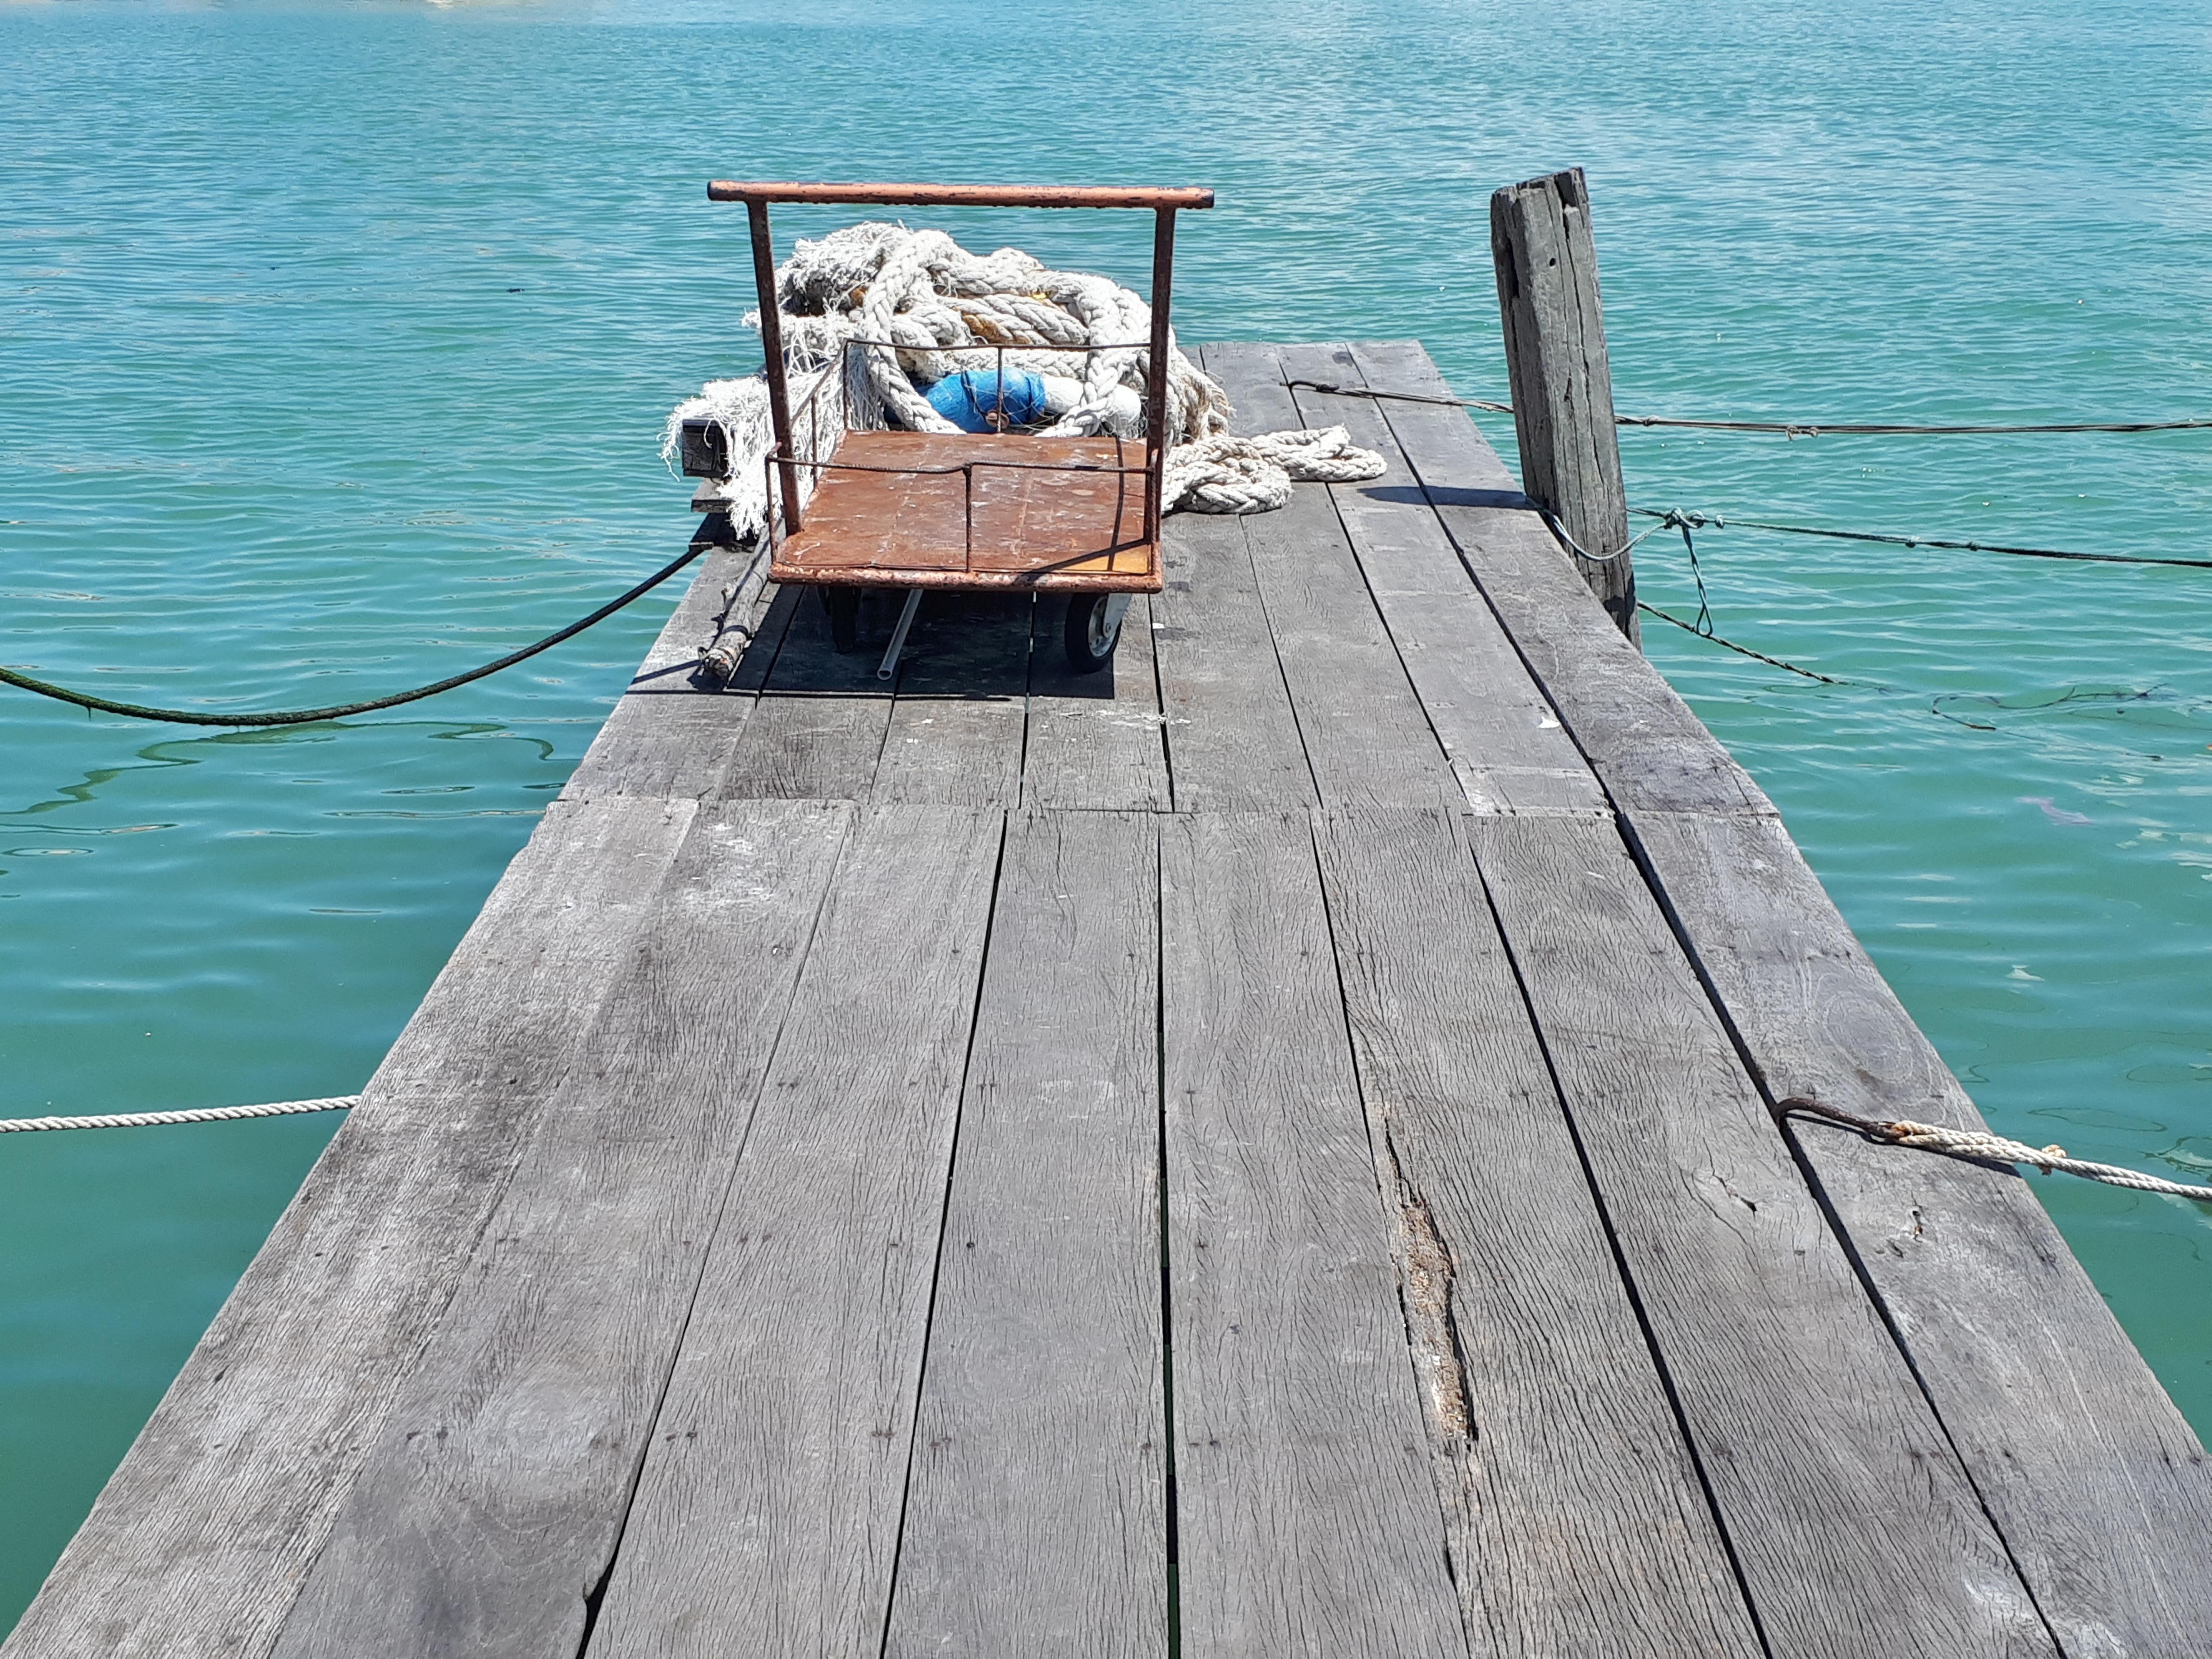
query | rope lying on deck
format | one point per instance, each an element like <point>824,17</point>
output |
<point>1982,1145</point>
<point>891,310</point>
<point>196,1115</point>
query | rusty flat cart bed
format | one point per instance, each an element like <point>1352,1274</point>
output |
<point>921,510</point>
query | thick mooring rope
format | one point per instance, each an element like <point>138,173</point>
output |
<point>1980,1145</point>
<point>889,310</point>
<point>341,711</point>
<point>195,1115</point>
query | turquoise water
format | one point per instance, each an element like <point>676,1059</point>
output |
<point>335,343</point>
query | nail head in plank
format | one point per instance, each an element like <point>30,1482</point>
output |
<point>1037,1512</point>
<point>1855,1529</point>
<point>1305,1500</point>
<point>767,1517</point>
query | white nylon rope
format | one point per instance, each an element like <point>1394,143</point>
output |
<point>195,1115</point>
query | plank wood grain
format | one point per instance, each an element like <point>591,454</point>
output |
<point>1554,326</point>
<point>1232,738</point>
<point>1036,1509</point>
<point>956,727</point>
<point>2101,1491</point>
<point>197,1545</point>
<point>1307,1515</point>
<point>668,735</point>
<point>1597,1541</point>
<point>1364,732</point>
<point>488,1512</point>
<point>1506,742</point>
<point>817,731</point>
<point>1855,1529</point>
<point>1646,746</point>
<point>767,1517</point>
<point>1094,739</point>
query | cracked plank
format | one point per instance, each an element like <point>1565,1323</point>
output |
<point>1574,1510</point>
<point>1307,1518</point>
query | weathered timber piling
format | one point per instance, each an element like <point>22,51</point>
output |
<point>1548,296</point>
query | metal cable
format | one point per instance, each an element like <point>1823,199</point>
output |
<point>1786,428</point>
<point>1717,521</point>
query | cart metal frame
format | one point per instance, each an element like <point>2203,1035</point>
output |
<point>1054,512</point>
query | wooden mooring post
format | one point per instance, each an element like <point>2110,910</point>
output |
<point>1548,296</point>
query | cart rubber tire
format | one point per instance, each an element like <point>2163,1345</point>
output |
<point>1093,629</point>
<point>842,605</point>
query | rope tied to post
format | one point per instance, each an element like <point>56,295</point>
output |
<point>1980,1146</point>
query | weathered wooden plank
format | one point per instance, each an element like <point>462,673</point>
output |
<point>1855,1528</point>
<point>1306,1519</point>
<point>1555,328</point>
<point>669,734</point>
<point>1364,732</point>
<point>489,1510</point>
<point>2101,1491</point>
<point>1232,738</point>
<point>1094,739</point>
<point>1505,743</point>
<point>1037,1510</point>
<point>664,746</point>
<point>956,727</point>
<point>1596,1539</point>
<point>767,1517</point>
<point>197,1545</point>
<point>817,731</point>
<point>1646,746</point>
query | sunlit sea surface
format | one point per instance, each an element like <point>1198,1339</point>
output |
<point>335,343</point>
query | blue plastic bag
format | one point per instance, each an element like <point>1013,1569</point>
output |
<point>971,398</point>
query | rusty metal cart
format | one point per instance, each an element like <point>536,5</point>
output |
<point>993,510</point>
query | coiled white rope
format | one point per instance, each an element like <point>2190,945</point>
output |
<point>194,1115</point>
<point>1993,1148</point>
<point>945,310</point>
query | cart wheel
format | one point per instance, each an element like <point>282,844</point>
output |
<point>1094,629</point>
<point>842,607</point>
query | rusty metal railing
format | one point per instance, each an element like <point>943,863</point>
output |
<point>1162,203</point>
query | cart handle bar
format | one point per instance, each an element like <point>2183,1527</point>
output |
<point>1029,196</point>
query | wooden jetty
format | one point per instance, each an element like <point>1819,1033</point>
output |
<point>1265,1152</point>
